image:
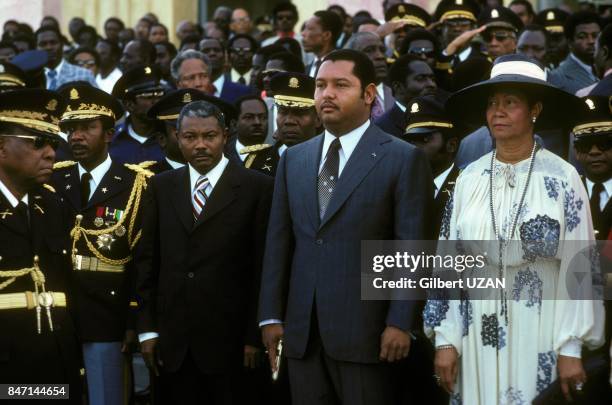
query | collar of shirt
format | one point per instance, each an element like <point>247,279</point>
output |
<point>235,76</point>
<point>239,147</point>
<point>57,68</point>
<point>441,178</point>
<point>141,139</point>
<point>381,93</point>
<point>174,164</point>
<point>463,55</point>
<point>282,149</point>
<point>400,106</point>
<point>10,197</point>
<point>97,174</point>
<point>213,174</point>
<point>348,143</point>
<point>583,65</point>
<point>219,85</point>
<point>604,196</point>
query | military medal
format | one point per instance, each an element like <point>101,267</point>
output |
<point>105,241</point>
<point>98,221</point>
<point>120,231</point>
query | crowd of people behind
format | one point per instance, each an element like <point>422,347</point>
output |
<point>198,206</point>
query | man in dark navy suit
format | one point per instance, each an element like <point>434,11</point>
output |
<point>102,197</point>
<point>223,87</point>
<point>352,183</point>
<point>199,265</point>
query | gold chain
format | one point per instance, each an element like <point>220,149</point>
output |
<point>140,183</point>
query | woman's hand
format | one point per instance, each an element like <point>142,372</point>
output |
<point>446,367</point>
<point>462,40</point>
<point>571,375</point>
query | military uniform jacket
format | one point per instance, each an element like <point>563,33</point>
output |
<point>603,224</point>
<point>264,158</point>
<point>25,355</point>
<point>102,298</point>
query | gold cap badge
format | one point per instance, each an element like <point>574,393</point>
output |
<point>414,108</point>
<point>401,9</point>
<point>1,68</point>
<point>294,83</point>
<point>51,105</point>
<point>494,13</point>
<point>147,70</point>
<point>187,98</point>
<point>590,103</point>
<point>550,15</point>
<point>459,2</point>
<point>74,94</point>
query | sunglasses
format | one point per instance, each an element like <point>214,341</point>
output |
<point>428,52</point>
<point>238,50</point>
<point>584,146</point>
<point>499,36</point>
<point>39,142</point>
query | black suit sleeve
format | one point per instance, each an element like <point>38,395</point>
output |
<point>146,263</point>
<point>260,227</point>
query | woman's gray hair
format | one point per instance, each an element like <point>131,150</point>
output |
<point>201,109</point>
<point>176,63</point>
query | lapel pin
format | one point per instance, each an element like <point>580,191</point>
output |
<point>67,175</point>
<point>104,190</point>
<point>37,197</point>
<point>5,213</point>
<point>37,207</point>
<point>373,155</point>
<point>117,178</point>
<point>68,186</point>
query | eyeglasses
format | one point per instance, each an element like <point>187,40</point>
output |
<point>86,63</point>
<point>239,50</point>
<point>428,52</point>
<point>585,145</point>
<point>499,36</point>
<point>39,142</point>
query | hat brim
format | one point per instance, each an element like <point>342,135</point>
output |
<point>559,107</point>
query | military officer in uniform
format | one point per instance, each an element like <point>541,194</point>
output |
<point>38,343</point>
<point>103,197</point>
<point>429,128</point>
<point>135,139</point>
<point>296,120</point>
<point>167,111</point>
<point>11,77</point>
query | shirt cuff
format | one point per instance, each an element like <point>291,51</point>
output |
<point>572,348</point>
<point>269,322</point>
<point>146,336</point>
<point>441,341</point>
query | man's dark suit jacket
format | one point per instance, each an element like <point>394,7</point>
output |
<point>383,192</point>
<point>603,88</point>
<point>233,91</point>
<point>230,151</point>
<point>570,76</point>
<point>198,281</point>
<point>393,121</point>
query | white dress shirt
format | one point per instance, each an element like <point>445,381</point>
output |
<point>380,90</point>
<point>219,85</point>
<point>400,106</point>
<point>348,142</point>
<point>441,178</point>
<point>141,139</point>
<point>10,197</point>
<point>96,174</point>
<point>236,76</point>
<point>174,164</point>
<point>213,176</point>
<point>282,149</point>
<point>239,147</point>
<point>107,83</point>
<point>604,196</point>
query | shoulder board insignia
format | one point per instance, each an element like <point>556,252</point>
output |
<point>49,187</point>
<point>63,164</point>
<point>254,148</point>
<point>141,168</point>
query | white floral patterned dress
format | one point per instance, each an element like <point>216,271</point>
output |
<point>511,361</point>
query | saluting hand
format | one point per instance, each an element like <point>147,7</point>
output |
<point>271,335</point>
<point>462,40</point>
<point>394,344</point>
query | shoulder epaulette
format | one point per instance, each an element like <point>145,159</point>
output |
<point>443,66</point>
<point>49,187</point>
<point>63,164</point>
<point>254,148</point>
<point>142,167</point>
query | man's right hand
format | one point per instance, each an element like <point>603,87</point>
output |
<point>462,40</point>
<point>446,368</point>
<point>270,335</point>
<point>148,349</point>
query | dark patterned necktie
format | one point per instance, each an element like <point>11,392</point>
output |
<point>23,214</point>
<point>328,176</point>
<point>85,189</point>
<point>242,80</point>
<point>595,201</point>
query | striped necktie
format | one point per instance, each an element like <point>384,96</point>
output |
<point>199,196</point>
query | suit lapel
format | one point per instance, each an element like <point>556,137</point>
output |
<point>72,187</point>
<point>9,217</point>
<point>389,99</point>
<point>38,212</point>
<point>447,188</point>
<point>368,152</point>
<point>223,194</point>
<point>114,181</point>
<point>398,119</point>
<point>312,159</point>
<point>181,197</point>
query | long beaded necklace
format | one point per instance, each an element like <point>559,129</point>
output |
<point>503,242</point>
